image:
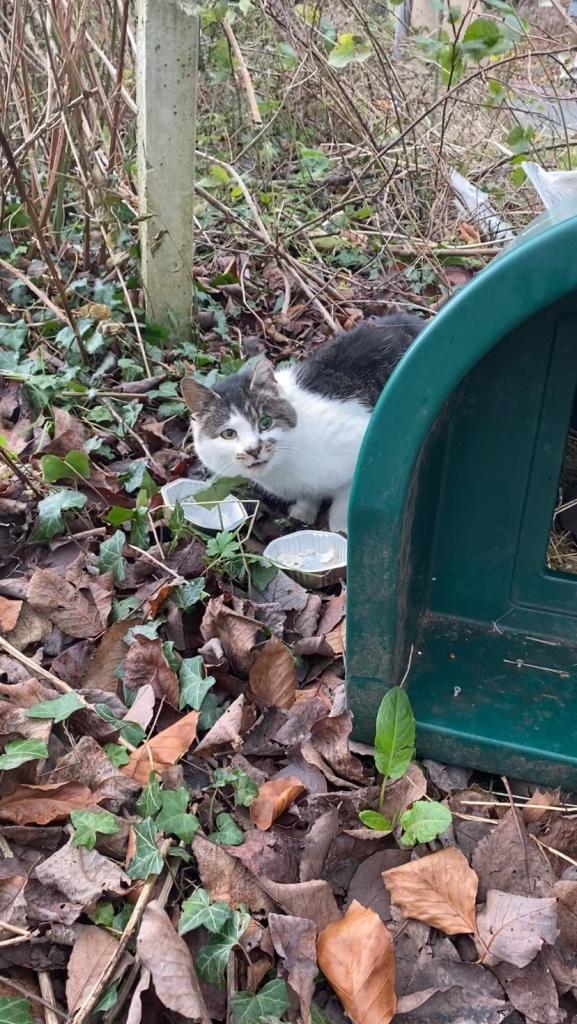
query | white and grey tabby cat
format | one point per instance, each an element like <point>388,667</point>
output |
<point>296,432</point>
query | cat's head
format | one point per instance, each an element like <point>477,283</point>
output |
<point>240,425</point>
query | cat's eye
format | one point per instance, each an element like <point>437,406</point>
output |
<point>229,434</point>
<point>265,422</point>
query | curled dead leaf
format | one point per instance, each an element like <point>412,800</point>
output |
<point>226,731</point>
<point>439,889</point>
<point>273,799</point>
<point>357,958</point>
<point>272,676</point>
<point>163,750</point>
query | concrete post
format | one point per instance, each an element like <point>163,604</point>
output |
<point>167,68</point>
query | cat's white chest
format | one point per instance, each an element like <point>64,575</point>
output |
<point>319,455</point>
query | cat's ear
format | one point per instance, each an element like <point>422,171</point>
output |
<point>263,375</point>
<point>197,397</point>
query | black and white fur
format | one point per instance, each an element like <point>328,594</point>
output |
<point>296,432</point>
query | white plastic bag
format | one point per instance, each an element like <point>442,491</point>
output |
<point>554,188</point>
<point>476,205</point>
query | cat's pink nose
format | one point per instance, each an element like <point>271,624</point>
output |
<point>254,452</point>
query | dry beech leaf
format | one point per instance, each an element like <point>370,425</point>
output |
<point>146,665</point>
<point>163,750</point>
<point>165,954</point>
<point>538,805</point>
<point>13,902</point>
<point>9,612</point>
<point>142,710</point>
<point>225,731</point>
<point>272,676</point>
<point>93,948</point>
<point>39,805</point>
<point>102,667</point>
<point>69,434</point>
<point>226,878</point>
<point>64,604</point>
<point>357,958</point>
<point>439,889</point>
<point>508,861</point>
<point>273,799</point>
<point>513,928</point>
<point>135,1008</point>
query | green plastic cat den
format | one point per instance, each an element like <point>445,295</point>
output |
<point>450,516</point>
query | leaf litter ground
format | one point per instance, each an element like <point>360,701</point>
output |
<point>185,827</point>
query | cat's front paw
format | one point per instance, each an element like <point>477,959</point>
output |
<point>305,511</point>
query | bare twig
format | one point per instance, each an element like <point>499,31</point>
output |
<point>243,71</point>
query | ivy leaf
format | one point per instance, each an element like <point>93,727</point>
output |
<point>150,800</point>
<point>262,573</point>
<point>218,490</point>
<point>131,731</point>
<point>189,593</point>
<point>272,1001</point>
<point>245,790</point>
<point>116,754</point>
<point>194,685</point>
<point>173,817</point>
<point>212,959</point>
<point>18,752</point>
<point>110,557</point>
<point>372,819</point>
<point>14,1010</point>
<point>147,859</point>
<point>108,1000</point>
<point>58,709</point>
<point>349,48</point>
<point>210,712</point>
<point>395,734</point>
<point>200,910</point>
<point>50,509</point>
<point>228,833</point>
<point>138,478</point>
<point>88,823</point>
<point>425,820</point>
<point>73,465</point>
<point>103,913</point>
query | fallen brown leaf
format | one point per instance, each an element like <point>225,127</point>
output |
<point>513,928</point>
<point>135,1008</point>
<point>294,939</point>
<point>93,948</point>
<point>366,885</point>
<point>40,805</point>
<point>356,957</point>
<point>64,604</point>
<point>146,665</point>
<point>272,675</point>
<point>225,731</point>
<point>237,633</point>
<point>531,990</point>
<point>166,955</point>
<point>9,612</point>
<point>88,764</point>
<point>468,233</point>
<point>507,860</point>
<point>226,878</point>
<point>439,889</point>
<point>142,709</point>
<point>330,736</point>
<point>537,806</point>
<point>316,845</point>
<point>314,900</point>
<point>83,876</point>
<point>273,799</point>
<point>163,750</point>
<point>32,627</point>
<point>336,639</point>
<point>401,794</point>
<point>104,663</point>
<point>69,434</point>
<point>13,879</point>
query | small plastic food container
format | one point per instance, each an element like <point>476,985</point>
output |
<point>227,514</point>
<point>314,558</point>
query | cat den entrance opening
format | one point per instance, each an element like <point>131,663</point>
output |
<point>562,547</point>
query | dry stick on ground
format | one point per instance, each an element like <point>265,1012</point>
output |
<point>243,72</point>
<point>57,683</point>
<point>59,313</point>
<point>85,1010</point>
<point>11,463</point>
